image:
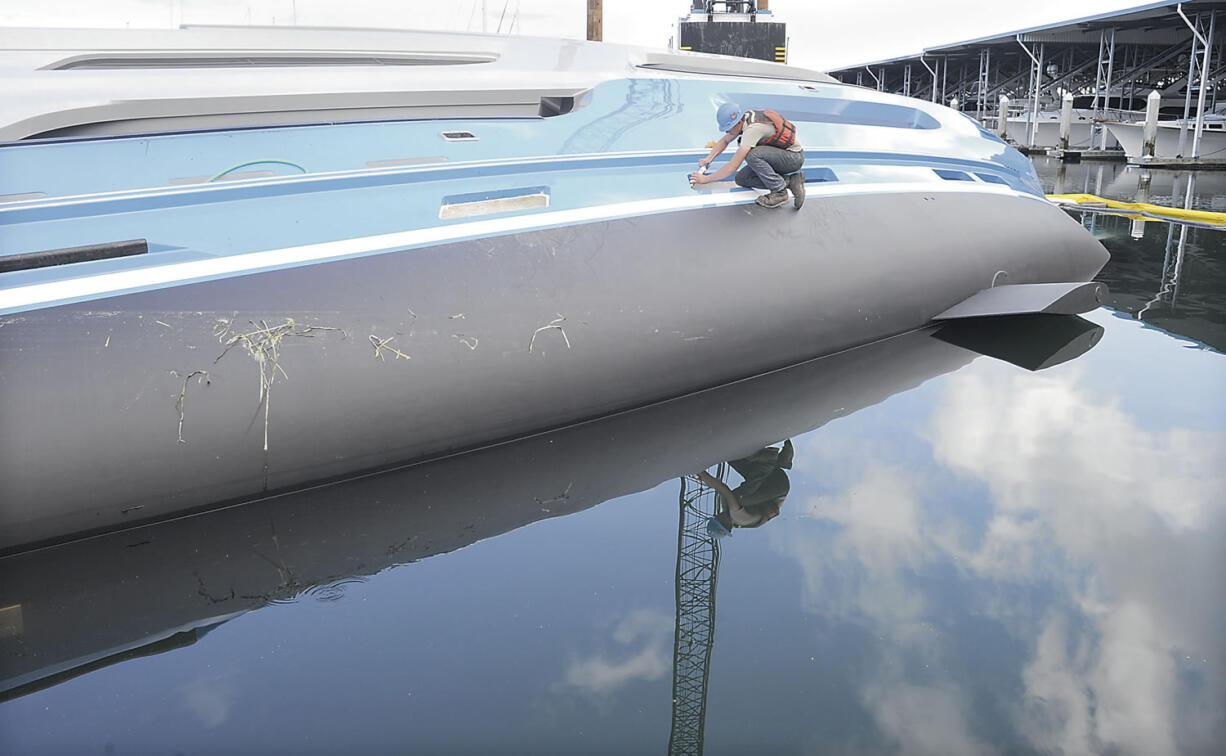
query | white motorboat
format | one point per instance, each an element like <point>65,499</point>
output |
<point>1174,138</point>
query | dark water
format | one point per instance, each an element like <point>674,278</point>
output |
<point>1170,276</point>
<point>974,556</point>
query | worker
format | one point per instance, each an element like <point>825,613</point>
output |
<point>759,497</point>
<point>769,149</point>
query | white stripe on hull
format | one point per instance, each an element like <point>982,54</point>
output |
<point>108,284</point>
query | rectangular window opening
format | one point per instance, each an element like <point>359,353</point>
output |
<point>555,106</point>
<point>68,255</point>
<point>460,136</point>
<point>810,108</point>
<point>490,203</point>
<point>393,162</point>
<point>949,175</point>
<point>22,197</point>
<point>991,179</point>
<point>818,175</point>
<point>228,177</point>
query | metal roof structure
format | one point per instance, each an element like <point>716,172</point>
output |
<point>1145,24</point>
<point>1153,23</point>
<point>1113,60</point>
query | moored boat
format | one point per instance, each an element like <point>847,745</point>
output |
<point>1083,114</point>
<point>1047,130</point>
<point>1174,138</point>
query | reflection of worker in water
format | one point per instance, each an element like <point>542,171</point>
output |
<point>759,497</point>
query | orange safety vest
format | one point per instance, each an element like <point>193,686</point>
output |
<point>785,130</point>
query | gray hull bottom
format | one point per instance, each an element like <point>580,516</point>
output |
<point>143,406</point>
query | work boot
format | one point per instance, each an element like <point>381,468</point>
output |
<point>796,183</point>
<point>774,199</point>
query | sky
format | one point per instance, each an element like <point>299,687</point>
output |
<point>823,34</point>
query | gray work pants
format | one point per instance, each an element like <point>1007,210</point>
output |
<point>766,166</point>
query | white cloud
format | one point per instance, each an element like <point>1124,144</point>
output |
<point>1117,526</point>
<point>1133,680</point>
<point>646,636</point>
<point>1057,710</point>
<point>923,719</point>
<point>1117,516</point>
<point>211,699</point>
<point>1032,437</point>
<point>880,534</point>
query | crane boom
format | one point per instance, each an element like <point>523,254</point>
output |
<point>697,572</point>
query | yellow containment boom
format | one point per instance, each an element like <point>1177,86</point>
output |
<point>1140,209</point>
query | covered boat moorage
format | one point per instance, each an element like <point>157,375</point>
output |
<point>1105,65</point>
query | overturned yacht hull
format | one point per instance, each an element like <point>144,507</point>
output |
<point>286,330</point>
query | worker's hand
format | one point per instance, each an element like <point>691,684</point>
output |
<point>698,177</point>
<point>704,162</point>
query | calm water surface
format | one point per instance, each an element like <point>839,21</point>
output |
<point>1166,275</point>
<point>973,557</point>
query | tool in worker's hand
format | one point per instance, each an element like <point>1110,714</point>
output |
<point>701,169</point>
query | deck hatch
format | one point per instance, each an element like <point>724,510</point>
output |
<point>489,203</point>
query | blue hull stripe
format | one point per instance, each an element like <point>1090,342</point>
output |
<point>51,208</point>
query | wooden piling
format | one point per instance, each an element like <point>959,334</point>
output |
<point>595,20</point>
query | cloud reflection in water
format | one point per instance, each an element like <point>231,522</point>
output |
<point>644,639</point>
<point>1091,543</point>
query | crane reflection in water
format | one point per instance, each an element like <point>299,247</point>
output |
<point>710,510</point>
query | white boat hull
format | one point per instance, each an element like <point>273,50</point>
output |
<point>1130,136</point>
<point>1047,134</point>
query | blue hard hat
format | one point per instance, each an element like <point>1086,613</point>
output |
<point>716,529</point>
<point>728,115</point>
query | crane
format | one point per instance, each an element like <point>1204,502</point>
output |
<point>754,502</point>
<point>697,573</point>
